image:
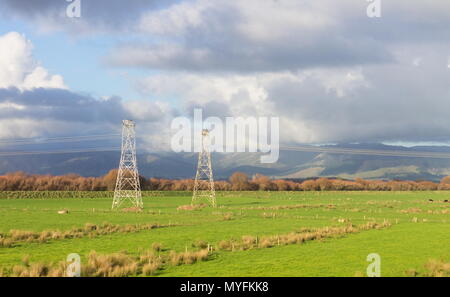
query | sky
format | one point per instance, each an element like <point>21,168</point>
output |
<point>330,73</point>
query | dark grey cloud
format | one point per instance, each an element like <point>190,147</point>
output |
<point>43,112</point>
<point>227,38</point>
<point>96,15</point>
<point>397,103</point>
<point>62,105</point>
<point>241,56</point>
<point>267,36</point>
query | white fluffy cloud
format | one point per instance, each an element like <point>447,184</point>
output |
<point>19,69</point>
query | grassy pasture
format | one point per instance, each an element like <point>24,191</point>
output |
<point>420,231</point>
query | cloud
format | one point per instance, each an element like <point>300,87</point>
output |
<point>268,36</point>
<point>401,101</point>
<point>96,16</point>
<point>34,103</point>
<point>19,69</point>
<point>327,70</point>
<point>246,36</point>
<point>47,112</point>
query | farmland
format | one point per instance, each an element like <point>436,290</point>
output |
<point>249,234</point>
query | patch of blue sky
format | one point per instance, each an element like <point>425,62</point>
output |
<point>81,62</point>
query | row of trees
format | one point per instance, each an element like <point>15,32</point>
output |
<point>239,181</point>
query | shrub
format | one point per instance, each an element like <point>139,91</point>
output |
<point>224,245</point>
<point>200,244</point>
<point>228,216</point>
<point>156,246</point>
<point>150,268</point>
<point>174,258</point>
<point>437,268</point>
<point>5,242</point>
<point>113,265</point>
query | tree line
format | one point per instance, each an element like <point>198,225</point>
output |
<point>20,181</point>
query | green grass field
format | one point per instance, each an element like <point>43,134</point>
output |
<point>420,231</point>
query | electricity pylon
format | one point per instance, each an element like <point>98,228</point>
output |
<point>127,185</point>
<point>204,181</point>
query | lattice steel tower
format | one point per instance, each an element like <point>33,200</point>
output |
<point>204,181</point>
<point>128,187</point>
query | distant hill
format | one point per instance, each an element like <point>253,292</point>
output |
<point>290,165</point>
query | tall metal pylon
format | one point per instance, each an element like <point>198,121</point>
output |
<point>204,181</point>
<point>127,185</point>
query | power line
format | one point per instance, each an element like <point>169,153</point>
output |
<point>300,148</point>
<point>91,150</point>
<point>370,152</point>
<point>66,139</point>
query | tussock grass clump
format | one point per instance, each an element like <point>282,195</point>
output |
<point>433,268</point>
<point>270,215</point>
<point>34,270</point>
<point>249,242</point>
<point>39,269</point>
<point>132,209</point>
<point>228,216</point>
<point>150,263</point>
<point>6,242</point>
<point>200,244</point>
<point>201,255</point>
<point>18,235</point>
<point>156,246</point>
<point>150,268</point>
<point>174,258</point>
<point>89,230</point>
<point>225,245</point>
<point>148,257</point>
<point>437,268</point>
<point>113,265</point>
<point>266,243</point>
<point>192,207</point>
<point>411,210</point>
<point>281,207</point>
<point>188,257</point>
<point>343,220</point>
<point>411,273</point>
<point>88,227</point>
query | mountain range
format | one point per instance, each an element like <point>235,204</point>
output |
<point>291,164</point>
